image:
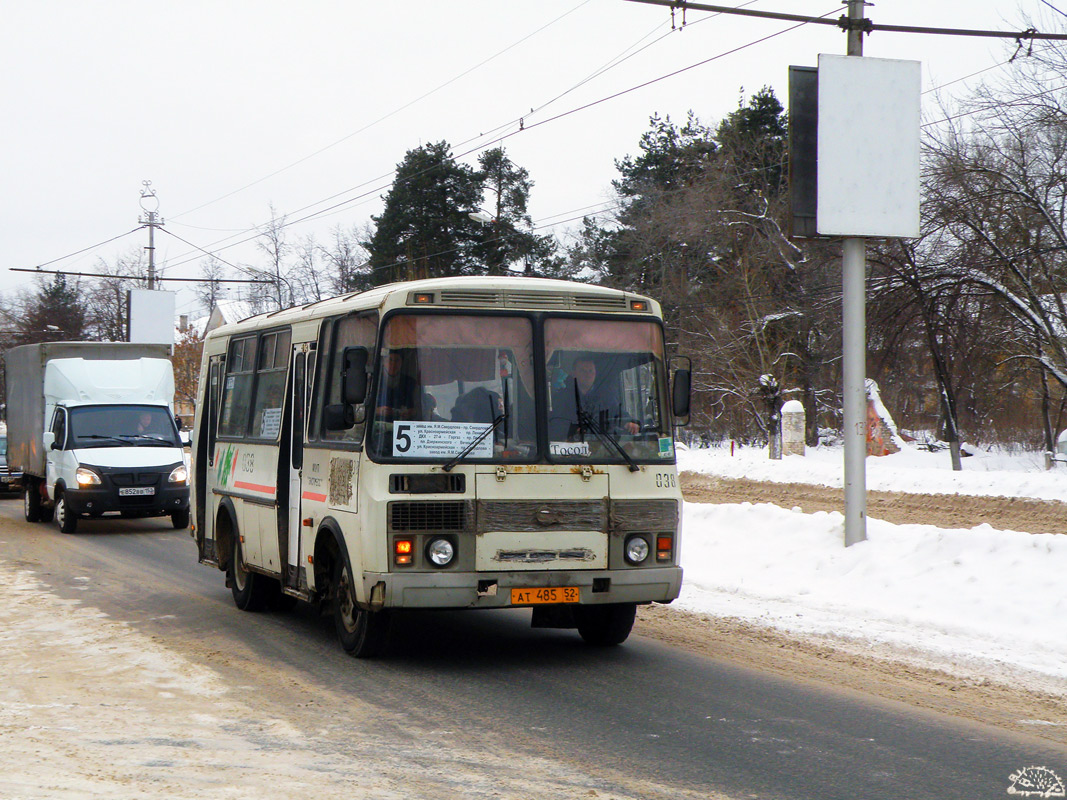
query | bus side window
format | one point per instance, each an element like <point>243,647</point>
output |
<point>351,331</point>
<point>269,392</point>
<point>237,387</point>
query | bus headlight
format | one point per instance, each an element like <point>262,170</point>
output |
<point>86,477</point>
<point>440,552</point>
<point>178,475</point>
<point>636,549</point>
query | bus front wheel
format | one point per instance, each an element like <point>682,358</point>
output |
<point>362,633</point>
<point>606,625</point>
<point>251,591</point>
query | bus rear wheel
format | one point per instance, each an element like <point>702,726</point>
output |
<point>606,625</point>
<point>362,633</point>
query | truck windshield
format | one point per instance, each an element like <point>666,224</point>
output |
<point>446,380</point>
<point>122,426</point>
<point>606,391</point>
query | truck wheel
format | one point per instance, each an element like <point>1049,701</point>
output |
<point>31,502</point>
<point>68,522</point>
<point>607,624</point>
<point>251,590</point>
<point>363,633</point>
<point>180,519</point>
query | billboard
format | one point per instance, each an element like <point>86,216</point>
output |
<point>868,147</point>
<point>151,317</point>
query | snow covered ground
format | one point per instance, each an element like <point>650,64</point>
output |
<point>980,601</point>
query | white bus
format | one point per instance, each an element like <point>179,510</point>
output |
<point>450,443</point>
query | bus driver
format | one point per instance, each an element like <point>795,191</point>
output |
<point>594,402</point>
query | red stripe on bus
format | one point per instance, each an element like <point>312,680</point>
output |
<point>313,496</point>
<point>254,487</point>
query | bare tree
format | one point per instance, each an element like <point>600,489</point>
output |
<point>209,291</point>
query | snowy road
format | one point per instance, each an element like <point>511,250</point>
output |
<point>129,673</point>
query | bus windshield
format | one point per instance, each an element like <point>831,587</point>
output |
<point>606,391</point>
<point>451,382</point>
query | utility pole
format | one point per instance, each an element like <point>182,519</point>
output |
<point>854,349</point>
<point>151,218</point>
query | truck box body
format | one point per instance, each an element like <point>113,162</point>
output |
<point>32,395</point>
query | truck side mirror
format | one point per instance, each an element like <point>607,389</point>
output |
<point>50,442</point>
<point>354,375</point>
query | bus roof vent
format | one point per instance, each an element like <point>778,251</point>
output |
<point>538,300</point>
<point>477,298</point>
<point>601,302</point>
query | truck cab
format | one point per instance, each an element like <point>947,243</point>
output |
<point>115,458</point>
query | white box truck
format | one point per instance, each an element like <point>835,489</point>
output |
<point>91,427</point>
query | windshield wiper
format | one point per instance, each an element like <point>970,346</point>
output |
<point>117,439</point>
<point>495,424</point>
<point>150,438</point>
<point>585,420</point>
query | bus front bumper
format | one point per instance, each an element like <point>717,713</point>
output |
<point>494,590</point>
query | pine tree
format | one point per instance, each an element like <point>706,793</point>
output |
<point>424,230</point>
<point>508,237</point>
<point>53,313</point>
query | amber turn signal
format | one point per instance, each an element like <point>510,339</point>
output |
<point>402,550</point>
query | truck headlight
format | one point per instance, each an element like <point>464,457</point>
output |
<point>86,477</point>
<point>178,475</point>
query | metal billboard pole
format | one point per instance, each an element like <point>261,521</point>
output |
<point>854,350</point>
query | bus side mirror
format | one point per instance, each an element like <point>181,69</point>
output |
<point>354,375</point>
<point>338,417</point>
<point>680,394</point>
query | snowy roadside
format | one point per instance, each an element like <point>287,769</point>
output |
<point>911,471</point>
<point>91,708</point>
<point>979,602</point>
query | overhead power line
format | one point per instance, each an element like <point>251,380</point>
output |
<point>134,277</point>
<point>863,24</point>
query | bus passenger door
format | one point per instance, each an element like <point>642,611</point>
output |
<point>206,471</point>
<point>291,574</point>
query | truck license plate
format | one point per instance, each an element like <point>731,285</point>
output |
<point>551,594</point>
<point>126,491</point>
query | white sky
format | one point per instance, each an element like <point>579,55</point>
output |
<point>231,107</point>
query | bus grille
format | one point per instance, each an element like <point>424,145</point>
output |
<point>429,516</point>
<point>644,515</point>
<point>417,483</point>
